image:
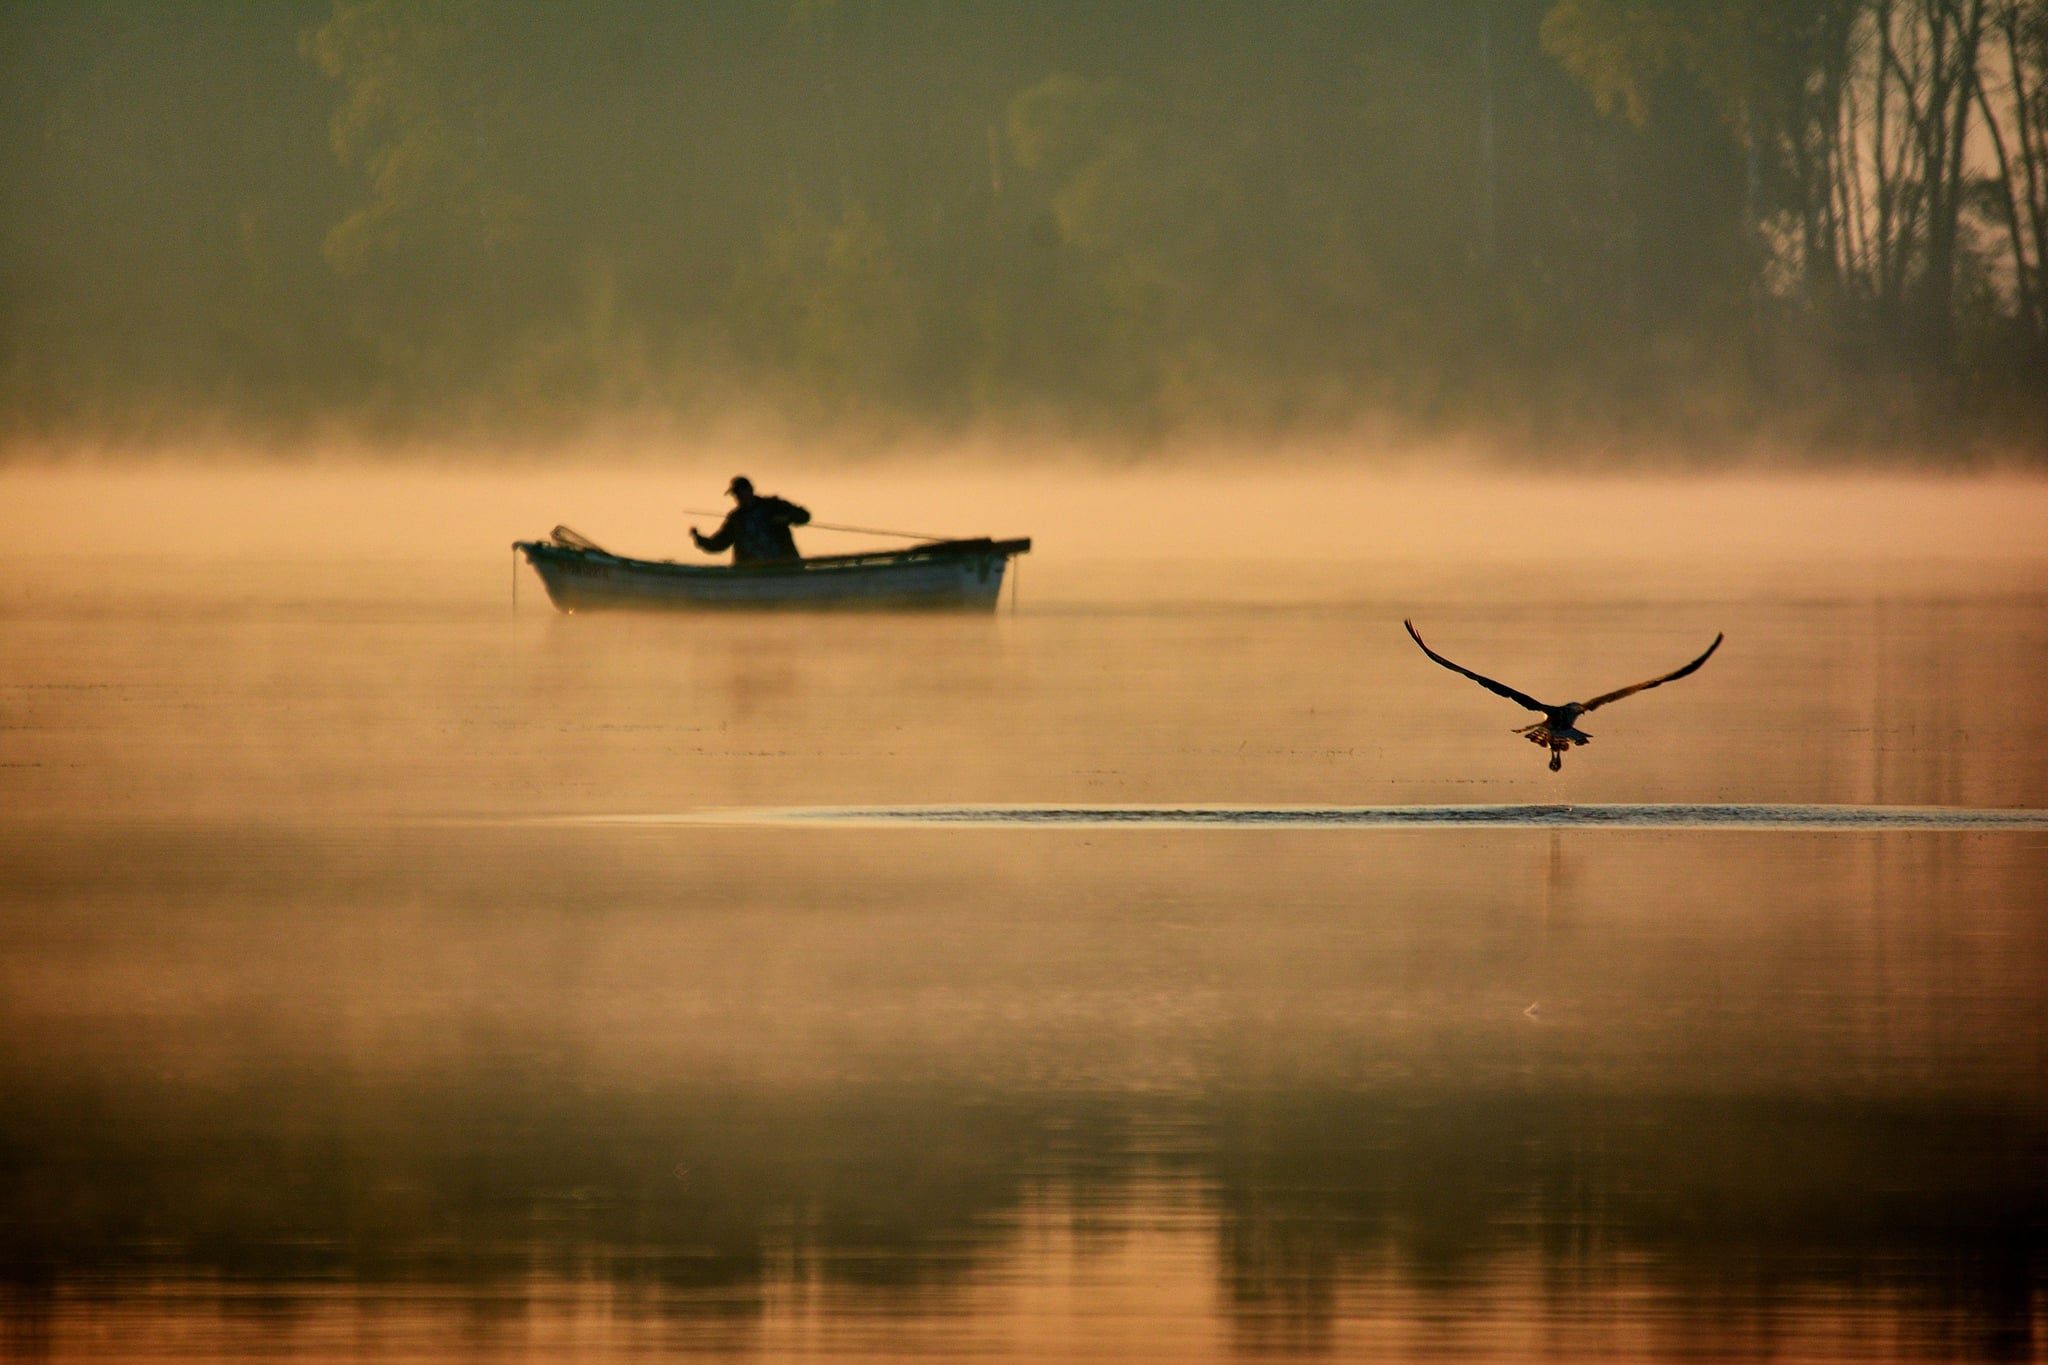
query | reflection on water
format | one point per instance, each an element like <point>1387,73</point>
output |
<point>609,1090</point>
<point>316,1038</point>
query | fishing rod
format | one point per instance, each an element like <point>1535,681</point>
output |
<point>828,526</point>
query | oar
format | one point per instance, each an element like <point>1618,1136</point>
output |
<point>828,526</point>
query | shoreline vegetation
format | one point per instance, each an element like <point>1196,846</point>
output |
<point>1579,232</point>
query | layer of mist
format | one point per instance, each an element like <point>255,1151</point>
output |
<point>342,1014</point>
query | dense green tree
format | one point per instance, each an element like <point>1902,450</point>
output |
<point>1575,218</point>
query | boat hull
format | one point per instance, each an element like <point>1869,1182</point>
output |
<point>945,576</point>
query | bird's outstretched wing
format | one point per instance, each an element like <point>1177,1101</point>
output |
<point>1617,695</point>
<point>1489,684</point>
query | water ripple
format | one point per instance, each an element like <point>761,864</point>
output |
<point>1668,816</point>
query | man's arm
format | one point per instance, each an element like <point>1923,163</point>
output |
<point>721,539</point>
<point>788,513</point>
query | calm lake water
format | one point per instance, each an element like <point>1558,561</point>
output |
<point>332,1023</point>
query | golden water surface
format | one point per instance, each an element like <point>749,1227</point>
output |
<point>330,1027</point>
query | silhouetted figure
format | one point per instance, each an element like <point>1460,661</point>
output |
<point>1558,730</point>
<point>757,530</point>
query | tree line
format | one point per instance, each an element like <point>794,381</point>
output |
<point>1563,224</point>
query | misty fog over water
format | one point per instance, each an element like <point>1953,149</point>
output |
<point>325,1034</point>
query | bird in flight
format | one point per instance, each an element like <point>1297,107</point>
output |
<point>1558,730</point>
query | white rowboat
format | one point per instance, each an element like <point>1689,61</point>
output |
<point>959,575</point>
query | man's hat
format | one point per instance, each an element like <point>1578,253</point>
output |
<point>740,484</point>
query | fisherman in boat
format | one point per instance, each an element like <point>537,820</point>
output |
<point>757,530</point>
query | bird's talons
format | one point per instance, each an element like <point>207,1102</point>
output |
<point>1556,759</point>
